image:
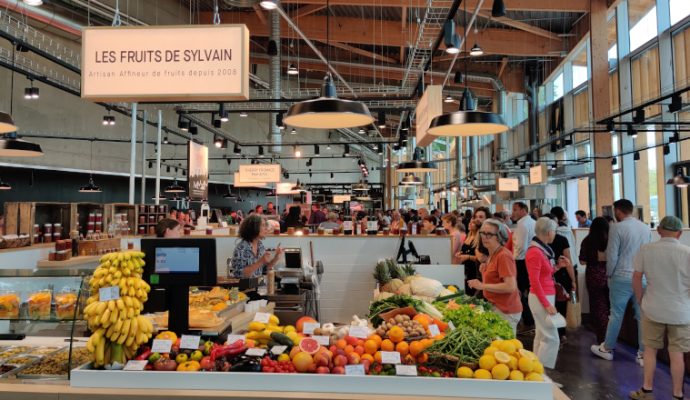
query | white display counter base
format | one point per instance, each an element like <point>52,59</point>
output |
<point>261,382</point>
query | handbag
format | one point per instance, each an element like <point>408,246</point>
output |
<point>561,293</point>
<point>555,321</point>
<point>573,313</point>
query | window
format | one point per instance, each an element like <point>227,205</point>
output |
<point>642,22</point>
<point>681,61</point>
<point>645,79</point>
<point>679,10</point>
<point>646,176</point>
<point>558,89</point>
<point>580,68</point>
<point>581,112</point>
<point>612,40</point>
<point>614,93</point>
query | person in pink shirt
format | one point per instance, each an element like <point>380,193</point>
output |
<point>541,266</point>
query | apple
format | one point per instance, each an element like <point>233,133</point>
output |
<point>165,364</point>
<point>340,360</point>
<point>197,355</point>
<point>181,358</point>
<point>353,358</point>
<point>207,364</point>
<point>321,360</point>
<point>339,370</point>
<point>323,370</point>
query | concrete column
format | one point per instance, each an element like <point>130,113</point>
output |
<point>158,157</point>
<point>599,99</point>
<point>143,159</point>
<point>133,154</point>
<point>625,93</point>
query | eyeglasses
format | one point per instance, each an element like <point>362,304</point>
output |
<point>488,234</point>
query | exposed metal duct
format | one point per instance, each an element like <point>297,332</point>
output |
<point>275,81</point>
<point>43,15</point>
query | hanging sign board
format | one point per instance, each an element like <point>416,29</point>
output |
<point>508,184</point>
<point>537,174</point>
<point>262,173</point>
<point>238,183</point>
<point>197,160</point>
<point>430,106</point>
<point>165,63</point>
<point>341,198</point>
<point>286,188</point>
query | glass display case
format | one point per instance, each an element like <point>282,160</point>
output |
<point>42,331</point>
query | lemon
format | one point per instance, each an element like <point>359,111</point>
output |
<point>487,362</point>
<point>517,343</point>
<point>289,328</point>
<point>538,367</point>
<point>525,364</point>
<point>528,354</point>
<point>284,357</point>
<point>502,357</point>
<point>516,376</point>
<point>500,372</point>
<point>513,363</point>
<point>535,377</point>
<point>497,343</point>
<point>482,374</point>
<point>452,289</point>
<point>507,346</point>
<point>491,350</point>
<point>465,372</point>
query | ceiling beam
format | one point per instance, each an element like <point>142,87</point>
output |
<point>403,22</point>
<point>361,52</point>
<point>260,14</point>
<point>523,26</point>
<point>361,31</point>
<point>309,9</point>
<point>518,5</point>
<point>504,63</point>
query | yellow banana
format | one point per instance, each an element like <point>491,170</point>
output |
<point>134,327</point>
<point>120,304</point>
<point>129,341</point>
<point>100,351</point>
<point>120,257</point>
<point>114,315</point>
<point>105,318</point>
<point>89,345</point>
<point>125,327</point>
<point>111,305</point>
<point>118,325</point>
<point>130,313</point>
<point>110,331</point>
<point>128,301</point>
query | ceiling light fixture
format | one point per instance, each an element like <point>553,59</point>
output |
<point>279,121</point>
<point>317,151</point>
<point>667,149</point>
<point>223,113</point>
<point>165,140</point>
<point>297,151</point>
<point>362,131</point>
<point>680,180</point>
<point>261,151</point>
<point>614,161</point>
<point>31,92</point>
<point>676,103</point>
<point>159,197</point>
<point>346,150</point>
<point>448,99</point>
<point>182,123</point>
<point>292,70</point>
<point>4,185</point>
<point>417,164</point>
<point>450,37</point>
<point>269,4</point>
<point>636,156</point>
<point>298,187</point>
<point>476,51</point>
<point>33,3</point>
<point>382,119</point>
<point>410,180</point>
<point>90,187</point>
<point>632,132</point>
<point>362,186</point>
<point>243,114</point>
<point>237,149</point>
<point>293,131</point>
<point>174,188</point>
<point>332,176</point>
<point>217,123</point>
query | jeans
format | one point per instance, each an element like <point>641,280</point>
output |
<point>546,340</point>
<point>620,293</point>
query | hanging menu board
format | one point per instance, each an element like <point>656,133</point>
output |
<point>197,160</point>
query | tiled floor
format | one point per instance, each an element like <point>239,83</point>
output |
<point>587,377</point>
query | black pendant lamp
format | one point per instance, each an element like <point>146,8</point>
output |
<point>175,188</point>
<point>679,181</point>
<point>159,197</point>
<point>410,180</point>
<point>90,187</point>
<point>417,164</point>
<point>362,186</point>
<point>298,187</point>
<point>4,185</point>
<point>10,146</point>
<point>467,121</point>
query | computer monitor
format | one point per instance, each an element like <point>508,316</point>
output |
<point>175,265</point>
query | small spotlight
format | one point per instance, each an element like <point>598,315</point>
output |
<point>165,140</point>
<point>476,51</point>
<point>243,114</point>
<point>261,151</point>
<point>346,151</point>
<point>448,99</point>
<point>297,151</point>
<point>237,149</point>
<point>450,37</point>
<point>269,4</point>
<point>292,70</point>
<point>317,151</point>
<point>382,120</point>
<point>614,161</point>
<point>217,123</point>
<point>362,131</point>
<point>676,103</point>
<point>279,121</point>
<point>636,156</point>
<point>222,113</point>
<point>293,131</point>
<point>632,132</point>
<point>639,116</point>
<point>218,141</point>
<point>667,149</point>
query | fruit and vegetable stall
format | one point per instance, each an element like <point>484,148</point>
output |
<point>419,338</point>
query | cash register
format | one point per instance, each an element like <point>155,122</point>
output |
<point>295,283</point>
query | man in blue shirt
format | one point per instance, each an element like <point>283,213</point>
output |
<point>625,239</point>
<point>582,220</point>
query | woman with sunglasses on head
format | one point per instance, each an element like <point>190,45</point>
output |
<point>499,273</point>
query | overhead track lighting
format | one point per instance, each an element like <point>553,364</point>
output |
<point>417,164</point>
<point>362,186</point>
<point>636,156</point>
<point>332,176</point>
<point>293,131</point>
<point>261,151</point>
<point>292,70</point>
<point>279,120</point>
<point>298,187</point>
<point>328,111</point>
<point>639,116</point>
<point>31,92</point>
<point>193,129</point>
<point>614,161</point>
<point>676,103</point>
<point>476,51</point>
<point>223,113</point>
<point>362,131</point>
<point>667,149</point>
<point>90,187</point>
<point>675,137</point>
<point>221,142</point>
<point>269,4</point>
<point>448,99</point>
<point>450,37</point>
<point>382,120</point>
<point>165,140</point>
<point>297,151</point>
<point>237,149</point>
<point>632,132</point>
<point>182,123</point>
<point>317,151</point>
<point>498,9</point>
<point>217,123</point>
<point>243,114</point>
<point>346,150</point>
<point>4,185</point>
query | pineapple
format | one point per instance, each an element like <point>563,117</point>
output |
<point>382,275</point>
<point>409,269</point>
<point>396,271</point>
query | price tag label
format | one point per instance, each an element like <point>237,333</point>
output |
<point>451,325</point>
<point>278,350</point>
<point>233,338</point>
<point>135,365</point>
<point>189,342</point>
<point>308,327</point>
<point>406,370</point>
<point>323,340</point>
<point>109,293</point>
<point>356,369</point>
<point>161,345</point>
<point>433,330</point>
<point>360,332</point>
<point>262,317</point>
<point>255,352</point>
<point>390,357</point>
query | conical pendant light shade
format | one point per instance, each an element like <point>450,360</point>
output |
<point>410,180</point>
<point>6,123</point>
<point>328,111</point>
<point>174,188</point>
<point>417,164</point>
<point>4,185</point>
<point>90,187</point>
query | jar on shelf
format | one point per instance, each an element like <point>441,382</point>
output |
<point>142,230</point>
<point>92,217</point>
<point>48,228</point>
<point>57,227</point>
<point>152,218</point>
<point>56,236</point>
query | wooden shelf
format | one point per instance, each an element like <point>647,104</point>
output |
<point>72,262</point>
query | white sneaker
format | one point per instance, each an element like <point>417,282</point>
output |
<point>640,359</point>
<point>600,351</point>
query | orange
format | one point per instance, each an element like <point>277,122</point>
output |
<point>341,344</point>
<point>422,358</point>
<point>403,348</point>
<point>416,348</point>
<point>426,343</point>
<point>370,346</point>
<point>367,356</point>
<point>360,342</point>
<point>377,339</point>
<point>359,350</point>
<point>377,357</point>
<point>387,345</point>
<point>396,334</point>
<point>349,349</point>
<point>424,320</point>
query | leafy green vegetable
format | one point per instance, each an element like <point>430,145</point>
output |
<point>381,306</point>
<point>488,323</point>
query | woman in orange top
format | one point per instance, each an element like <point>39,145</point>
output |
<point>499,274</point>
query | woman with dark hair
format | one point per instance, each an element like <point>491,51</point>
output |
<point>593,255</point>
<point>564,245</point>
<point>250,256</point>
<point>168,228</point>
<point>468,257</point>
<point>428,225</point>
<point>293,219</point>
<point>450,224</point>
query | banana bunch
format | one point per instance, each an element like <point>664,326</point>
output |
<point>118,329</point>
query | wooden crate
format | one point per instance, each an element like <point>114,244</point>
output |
<point>132,212</point>
<point>96,247</point>
<point>11,214</point>
<point>20,217</point>
<point>80,216</point>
